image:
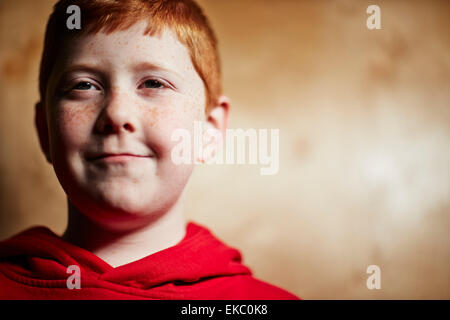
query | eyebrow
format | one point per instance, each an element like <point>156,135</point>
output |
<point>154,67</point>
<point>94,68</point>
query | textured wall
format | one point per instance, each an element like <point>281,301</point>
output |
<point>364,142</point>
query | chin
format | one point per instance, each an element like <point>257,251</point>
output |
<point>123,216</point>
<point>124,203</point>
<point>133,202</point>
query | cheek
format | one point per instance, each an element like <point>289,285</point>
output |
<point>152,116</point>
<point>162,121</point>
<point>74,123</point>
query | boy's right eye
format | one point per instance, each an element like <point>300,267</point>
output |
<point>84,85</point>
<point>80,89</point>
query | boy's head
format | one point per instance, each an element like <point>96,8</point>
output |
<point>113,93</point>
<point>184,17</point>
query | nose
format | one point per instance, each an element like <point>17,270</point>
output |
<point>116,115</point>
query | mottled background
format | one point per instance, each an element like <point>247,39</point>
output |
<point>364,143</point>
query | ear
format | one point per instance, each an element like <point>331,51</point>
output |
<point>216,123</point>
<point>40,121</point>
<point>218,116</point>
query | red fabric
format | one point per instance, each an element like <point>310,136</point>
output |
<point>33,265</point>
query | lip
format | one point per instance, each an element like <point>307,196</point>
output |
<point>121,157</point>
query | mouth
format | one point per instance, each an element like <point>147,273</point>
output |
<point>117,157</point>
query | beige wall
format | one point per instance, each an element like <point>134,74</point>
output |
<point>364,142</point>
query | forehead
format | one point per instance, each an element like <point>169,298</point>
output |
<point>131,46</point>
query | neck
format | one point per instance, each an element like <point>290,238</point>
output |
<point>119,248</point>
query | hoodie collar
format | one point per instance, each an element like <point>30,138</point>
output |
<point>45,255</point>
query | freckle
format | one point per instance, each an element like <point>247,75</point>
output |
<point>82,115</point>
<point>153,116</point>
<point>115,91</point>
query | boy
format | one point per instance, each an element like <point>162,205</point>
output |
<point>112,93</point>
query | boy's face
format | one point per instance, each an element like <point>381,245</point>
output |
<point>122,93</point>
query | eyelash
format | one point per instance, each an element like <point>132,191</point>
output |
<point>82,82</point>
<point>71,88</point>
<point>160,84</point>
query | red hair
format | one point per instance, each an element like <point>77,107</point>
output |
<point>184,17</point>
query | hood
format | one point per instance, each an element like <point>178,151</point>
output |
<point>41,255</point>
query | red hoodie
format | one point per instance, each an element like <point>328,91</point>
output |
<point>33,265</point>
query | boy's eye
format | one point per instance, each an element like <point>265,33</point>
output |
<point>155,84</point>
<point>84,85</point>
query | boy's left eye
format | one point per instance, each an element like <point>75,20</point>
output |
<point>154,84</point>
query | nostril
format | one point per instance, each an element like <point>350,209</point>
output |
<point>127,126</point>
<point>108,127</point>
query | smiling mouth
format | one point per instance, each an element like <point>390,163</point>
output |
<point>118,157</point>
